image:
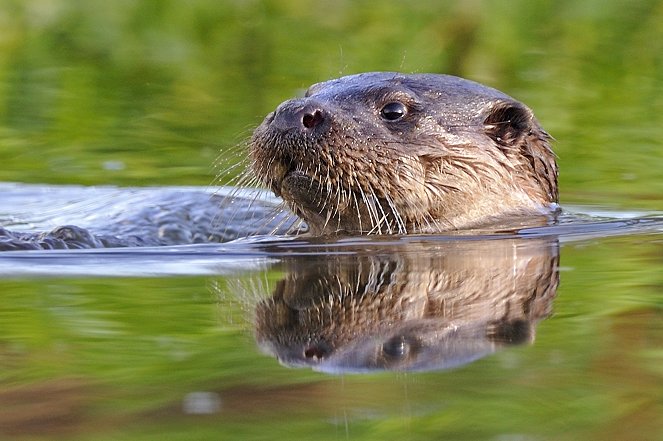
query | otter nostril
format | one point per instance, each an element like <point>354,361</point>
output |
<point>312,119</point>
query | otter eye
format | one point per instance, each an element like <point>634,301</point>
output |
<point>397,347</point>
<point>393,111</point>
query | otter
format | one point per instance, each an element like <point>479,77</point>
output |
<point>363,154</point>
<point>385,152</point>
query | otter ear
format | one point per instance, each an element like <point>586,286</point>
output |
<point>508,122</point>
<point>312,90</point>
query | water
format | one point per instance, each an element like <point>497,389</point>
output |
<point>59,217</point>
<point>129,356</point>
<point>409,337</point>
<point>541,334</point>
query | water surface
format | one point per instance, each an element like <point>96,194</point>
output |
<point>468,336</point>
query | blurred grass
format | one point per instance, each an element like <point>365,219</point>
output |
<point>149,92</point>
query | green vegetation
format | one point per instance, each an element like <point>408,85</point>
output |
<point>149,92</point>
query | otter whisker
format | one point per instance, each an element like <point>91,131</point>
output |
<point>358,211</point>
<point>330,213</point>
<point>372,213</point>
<point>293,227</point>
<point>397,216</point>
<point>341,198</point>
<point>384,219</point>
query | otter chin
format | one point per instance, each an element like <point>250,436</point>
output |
<point>388,153</point>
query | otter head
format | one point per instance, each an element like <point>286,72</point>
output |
<point>392,153</point>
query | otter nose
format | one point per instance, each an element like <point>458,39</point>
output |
<point>299,115</point>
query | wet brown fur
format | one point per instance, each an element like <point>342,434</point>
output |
<point>428,307</point>
<point>463,155</point>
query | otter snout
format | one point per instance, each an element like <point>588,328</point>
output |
<point>300,115</point>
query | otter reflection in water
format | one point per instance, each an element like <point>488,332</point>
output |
<point>427,307</point>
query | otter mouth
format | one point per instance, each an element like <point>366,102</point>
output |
<point>283,177</point>
<point>301,190</point>
<point>278,174</point>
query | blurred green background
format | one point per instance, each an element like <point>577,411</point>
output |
<point>155,92</point>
